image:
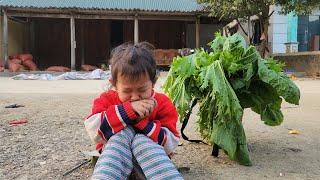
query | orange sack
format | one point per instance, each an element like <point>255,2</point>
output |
<point>16,61</point>
<point>87,67</point>
<point>58,69</point>
<point>14,67</point>
<point>29,64</point>
<point>25,57</point>
<point>14,56</point>
<point>1,66</point>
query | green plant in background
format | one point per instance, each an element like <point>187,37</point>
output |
<point>225,82</point>
<point>241,10</point>
<point>104,67</point>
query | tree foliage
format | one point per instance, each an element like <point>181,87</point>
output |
<point>243,9</point>
<point>233,9</point>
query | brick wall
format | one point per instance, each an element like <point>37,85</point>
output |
<point>308,62</point>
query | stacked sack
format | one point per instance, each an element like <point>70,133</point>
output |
<point>88,67</point>
<point>21,62</point>
<point>164,57</point>
<point>84,67</point>
<point>1,66</point>
<point>58,69</point>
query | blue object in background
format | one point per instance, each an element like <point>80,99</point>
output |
<point>292,27</point>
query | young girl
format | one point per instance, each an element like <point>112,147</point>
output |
<point>131,124</point>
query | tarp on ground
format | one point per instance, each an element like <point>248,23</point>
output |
<point>97,74</point>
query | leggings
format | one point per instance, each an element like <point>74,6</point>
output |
<point>125,148</point>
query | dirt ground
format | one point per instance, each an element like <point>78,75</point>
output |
<point>54,138</point>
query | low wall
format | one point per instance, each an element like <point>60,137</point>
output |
<point>308,62</point>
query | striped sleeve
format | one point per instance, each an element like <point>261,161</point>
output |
<point>101,126</point>
<point>172,141</point>
<point>119,116</point>
<point>92,125</point>
<point>152,129</point>
<point>163,128</point>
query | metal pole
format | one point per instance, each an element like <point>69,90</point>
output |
<point>82,42</point>
<point>198,32</point>
<point>5,38</point>
<point>73,44</point>
<point>249,30</point>
<point>136,29</point>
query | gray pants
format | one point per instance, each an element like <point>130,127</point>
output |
<point>126,147</point>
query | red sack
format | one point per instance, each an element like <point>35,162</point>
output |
<point>25,57</point>
<point>1,66</point>
<point>58,69</point>
<point>16,61</point>
<point>29,64</point>
<point>13,67</point>
<point>87,67</point>
<point>159,54</point>
<point>14,56</point>
<point>171,53</point>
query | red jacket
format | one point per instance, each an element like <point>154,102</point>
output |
<point>110,115</point>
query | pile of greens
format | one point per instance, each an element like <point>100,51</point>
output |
<point>225,82</point>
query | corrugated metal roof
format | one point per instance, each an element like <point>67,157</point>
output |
<point>140,5</point>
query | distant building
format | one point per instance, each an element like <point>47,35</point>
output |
<point>302,32</point>
<point>75,32</point>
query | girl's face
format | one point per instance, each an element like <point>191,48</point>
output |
<point>129,90</point>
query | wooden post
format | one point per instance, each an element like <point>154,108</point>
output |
<point>136,29</point>
<point>5,38</point>
<point>198,32</point>
<point>32,37</point>
<point>82,26</point>
<point>73,44</point>
<point>249,30</point>
<point>184,36</point>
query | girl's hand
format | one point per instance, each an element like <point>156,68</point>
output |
<point>143,108</point>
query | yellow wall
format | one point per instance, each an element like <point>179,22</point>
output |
<point>17,37</point>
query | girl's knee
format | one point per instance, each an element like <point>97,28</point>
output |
<point>127,134</point>
<point>142,143</point>
<point>140,138</point>
<point>128,130</point>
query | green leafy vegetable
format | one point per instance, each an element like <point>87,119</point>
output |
<point>226,81</point>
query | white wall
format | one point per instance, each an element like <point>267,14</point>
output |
<point>316,12</point>
<point>277,31</point>
<point>17,37</point>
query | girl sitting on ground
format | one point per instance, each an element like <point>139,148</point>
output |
<point>132,124</point>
